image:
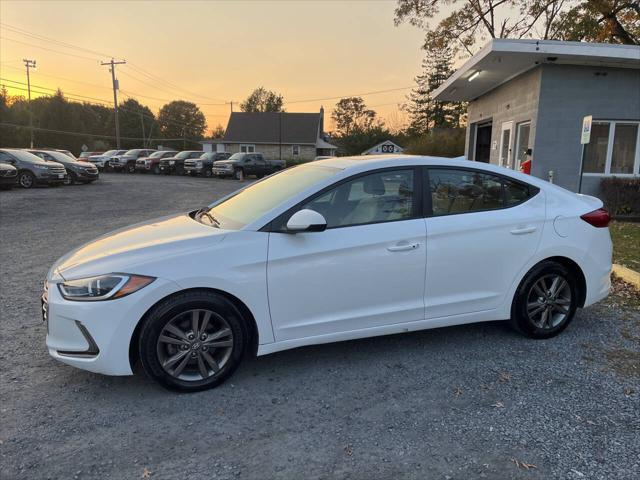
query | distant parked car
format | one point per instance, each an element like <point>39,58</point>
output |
<point>77,172</point>
<point>152,162</point>
<point>204,164</point>
<point>175,164</point>
<point>127,161</point>
<point>84,156</point>
<point>8,176</point>
<point>240,165</point>
<point>102,161</point>
<point>33,170</point>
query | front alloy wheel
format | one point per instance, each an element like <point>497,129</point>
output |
<point>26,180</point>
<point>192,341</point>
<point>195,344</point>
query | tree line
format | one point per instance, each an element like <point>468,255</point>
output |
<point>62,123</point>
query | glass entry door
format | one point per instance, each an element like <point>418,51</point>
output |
<point>522,143</point>
<point>505,145</point>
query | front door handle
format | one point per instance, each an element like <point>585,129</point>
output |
<point>523,230</point>
<point>403,247</point>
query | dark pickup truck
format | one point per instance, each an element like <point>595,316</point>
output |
<point>204,164</point>
<point>240,165</point>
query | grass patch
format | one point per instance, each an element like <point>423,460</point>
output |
<point>626,244</point>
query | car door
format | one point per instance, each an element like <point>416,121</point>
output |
<point>248,164</point>
<point>367,269</point>
<point>481,231</point>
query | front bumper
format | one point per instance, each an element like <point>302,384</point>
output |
<point>51,178</point>
<point>9,181</point>
<point>96,336</point>
<point>193,169</point>
<point>167,168</point>
<point>219,172</point>
<point>87,176</point>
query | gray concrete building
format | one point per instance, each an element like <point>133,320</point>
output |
<point>529,99</point>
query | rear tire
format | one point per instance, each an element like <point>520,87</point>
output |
<point>131,168</point>
<point>207,173</point>
<point>188,357</point>
<point>156,170</point>
<point>545,302</point>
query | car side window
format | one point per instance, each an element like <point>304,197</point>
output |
<point>516,192</point>
<point>378,197</point>
<point>462,191</point>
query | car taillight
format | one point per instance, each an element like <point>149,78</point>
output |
<point>598,218</point>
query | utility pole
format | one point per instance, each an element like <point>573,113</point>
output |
<point>113,64</point>
<point>30,64</point>
<point>144,145</point>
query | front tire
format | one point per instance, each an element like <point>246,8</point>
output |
<point>26,179</point>
<point>239,174</point>
<point>545,302</point>
<point>131,168</point>
<point>192,341</point>
<point>208,173</point>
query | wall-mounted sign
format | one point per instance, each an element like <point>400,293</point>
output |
<point>586,130</point>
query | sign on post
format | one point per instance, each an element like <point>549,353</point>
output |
<point>586,129</point>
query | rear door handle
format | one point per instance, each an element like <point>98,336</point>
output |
<point>523,230</point>
<point>403,247</point>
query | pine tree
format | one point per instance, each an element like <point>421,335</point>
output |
<point>424,112</point>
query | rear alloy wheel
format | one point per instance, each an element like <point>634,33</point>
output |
<point>26,179</point>
<point>546,301</point>
<point>71,179</point>
<point>208,173</point>
<point>192,342</point>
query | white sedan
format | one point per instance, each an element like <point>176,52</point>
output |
<point>327,251</point>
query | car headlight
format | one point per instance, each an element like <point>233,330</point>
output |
<point>41,167</point>
<point>172,162</point>
<point>103,287</point>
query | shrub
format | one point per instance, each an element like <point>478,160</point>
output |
<point>447,142</point>
<point>621,196</point>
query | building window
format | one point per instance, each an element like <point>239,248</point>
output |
<point>614,149</point>
<point>295,150</point>
<point>246,148</point>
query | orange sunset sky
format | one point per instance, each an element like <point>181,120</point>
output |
<point>212,52</point>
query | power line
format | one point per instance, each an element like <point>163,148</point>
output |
<point>48,49</point>
<point>96,135</point>
<point>352,95</point>
<point>37,36</point>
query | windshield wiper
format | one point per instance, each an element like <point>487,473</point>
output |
<point>204,212</point>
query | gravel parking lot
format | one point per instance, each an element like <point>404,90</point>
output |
<point>476,401</point>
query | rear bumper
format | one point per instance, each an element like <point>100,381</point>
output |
<point>597,266</point>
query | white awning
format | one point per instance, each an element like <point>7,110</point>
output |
<point>503,59</point>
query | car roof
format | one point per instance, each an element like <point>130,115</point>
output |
<point>364,163</point>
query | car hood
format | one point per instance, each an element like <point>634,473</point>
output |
<point>225,162</point>
<point>122,250</point>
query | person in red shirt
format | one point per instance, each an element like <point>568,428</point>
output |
<point>525,167</point>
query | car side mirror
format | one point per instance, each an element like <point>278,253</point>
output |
<point>306,221</point>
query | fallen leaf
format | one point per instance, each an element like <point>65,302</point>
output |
<point>523,465</point>
<point>457,392</point>
<point>146,473</point>
<point>627,391</point>
<point>348,450</point>
<point>504,377</point>
<point>498,405</point>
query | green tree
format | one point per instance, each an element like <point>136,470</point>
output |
<point>136,121</point>
<point>262,100</point>
<point>612,21</point>
<point>352,115</point>
<point>218,132</point>
<point>426,113</point>
<point>181,119</point>
<point>465,25</point>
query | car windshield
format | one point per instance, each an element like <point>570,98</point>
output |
<point>110,152</point>
<point>132,152</point>
<point>159,154</point>
<point>254,201</point>
<point>23,155</point>
<point>208,156</point>
<point>183,155</point>
<point>59,157</point>
<point>237,156</point>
